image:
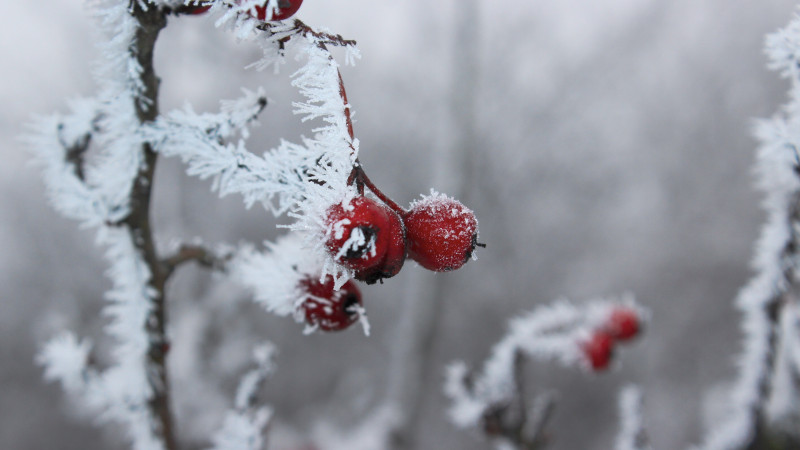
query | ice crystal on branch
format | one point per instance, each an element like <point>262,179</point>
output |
<point>631,433</point>
<point>65,360</point>
<point>276,276</point>
<point>244,425</point>
<point>490,398</point>
<point>765,299</point>
<point>302,179</point>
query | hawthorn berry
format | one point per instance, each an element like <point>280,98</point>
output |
<point>197,7</point>
<point>329,309</point>
<point>286,9</point>
<point>367,237</point>
<point>598,350</point>
<point>442,233</point>
<point>623,323</point>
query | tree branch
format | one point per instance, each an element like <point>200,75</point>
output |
<point>197,253</point>
<point>151,22</point>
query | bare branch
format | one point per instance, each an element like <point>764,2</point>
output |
<point>74,152</point>
<point>301,29</point>
<point>632,434</point>
<point>196,253</point>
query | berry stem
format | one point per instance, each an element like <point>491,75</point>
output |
<point>348,120</point>
<point>361,179</point>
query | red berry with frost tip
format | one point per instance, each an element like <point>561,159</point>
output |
<point>442,233</point>
<point>193,8</point>
<point>329,309</point>
<point>623,324</point>
<point>367,237</point>
<point>196,8</point>
<point>286,9</point>
<point>598,350</point>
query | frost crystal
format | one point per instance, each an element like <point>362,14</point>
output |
<point>551,332</point>
<point>763,299</point>
<point>631,433</point>
<point>95,188</point>
<point>97,158</point>
<point>243,426</point>
<point>276,276</point>
<point>304,179</point>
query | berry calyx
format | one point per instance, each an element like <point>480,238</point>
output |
<point>598,350</point>
<point>286,9</point>
<point>623,324</point>
<point>442,233</point>
<point>329,309</point>
<point>367,237</point>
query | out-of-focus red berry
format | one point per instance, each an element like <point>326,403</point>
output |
<point>197,7</point>
<point>329,309</point>
<point>598,350</point>
<point>286,9</point>
<point>623,324</point>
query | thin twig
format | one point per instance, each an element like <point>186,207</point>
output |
<point>74,152</point>
<point>199,254</point>
<point>300,28</point>
<point>512,421</point>
<point>151,21</point>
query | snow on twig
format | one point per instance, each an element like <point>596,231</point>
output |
<point>96,190</point>
<point>275,276</point>
<point>492,397</point>
<point>304,179</point>
<point>763,300</point>
<point>632,435</point>
<point>244,425</point>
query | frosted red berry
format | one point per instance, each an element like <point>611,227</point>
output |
<point>623,324</point>
<point>327,308</point>
<point>197,7</point>
<point>367,237</point>
<point>286,9</point>
<point>598,350</point>
<point>442,233</point>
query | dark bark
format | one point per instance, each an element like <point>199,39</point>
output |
<point>151,22</point>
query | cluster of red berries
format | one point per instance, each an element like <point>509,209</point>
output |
<point>621,325</point>
<point>286,9</point>
<point>373,240</point>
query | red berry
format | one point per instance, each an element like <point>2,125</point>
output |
<point>623,324</point>
<point>598,350</point>
<point>329,309</point>
<point>442,233</point>
<point>286,9</point>
<point>197,7</point>
<point>367,237</point>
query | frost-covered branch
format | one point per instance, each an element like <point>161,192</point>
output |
<point>244,425</point>
<point>288,279</point>
<point>113,187</point>
<point>632,434</point>
<point>765,299</point>
<point>493,399</point>
<point>302,179</point>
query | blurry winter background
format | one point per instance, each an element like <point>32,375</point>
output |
<point>615,153</point>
